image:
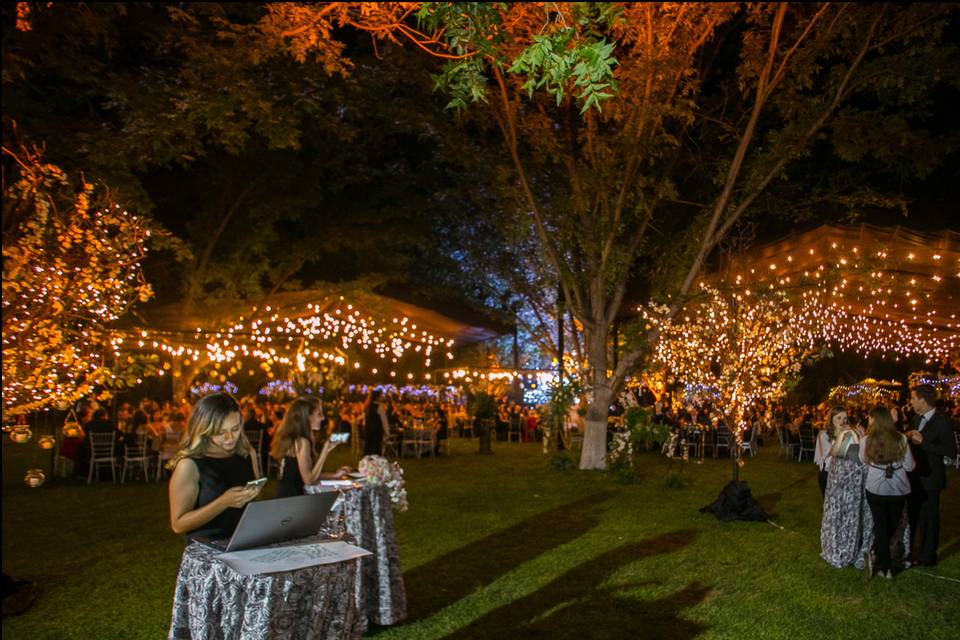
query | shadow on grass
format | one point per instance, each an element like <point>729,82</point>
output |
<point>949,527</point>
<point>769,500</point>
<point>575,605</point>
<point>454,575</point>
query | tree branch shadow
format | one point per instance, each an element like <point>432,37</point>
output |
<point>575,605</point>
<point>458,573</point>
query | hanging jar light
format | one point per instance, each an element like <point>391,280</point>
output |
<point>21,434</point>
<point>34,478</point>
<point>47,442</point>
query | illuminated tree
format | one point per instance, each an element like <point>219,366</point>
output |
<point>71,268</point>
<point>746,346</point>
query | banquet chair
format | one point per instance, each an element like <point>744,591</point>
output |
<point>468,425</point>
<point>137,454</point>
<point>101,452</point>
<point>514,429</point>
<point>956,460</point>
<point>388,447</point>
<point>807,443</point>
<point>785,445</point>
<point>750,443</point>
<point>723,440</point>
<point>426,440</point>
<point>62,465</point>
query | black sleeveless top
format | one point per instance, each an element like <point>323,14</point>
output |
<point>216,476</point>
<point>291,482</point>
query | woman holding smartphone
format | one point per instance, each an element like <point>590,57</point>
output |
<point>211,471</point>
<point>293,450</point>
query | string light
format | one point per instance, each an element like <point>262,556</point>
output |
<point>69,275</point>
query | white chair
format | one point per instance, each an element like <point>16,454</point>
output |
<point>514,428</point>
<point>426,440</point>
<point>807,443</point>
<point>468,426</point>
<point>956,460</point>
<point>724,438</point>
<point>785,445</point>
<point>419,440</point>
<point>136,454</point>
<point>750,444</point>
<point>101,452</point>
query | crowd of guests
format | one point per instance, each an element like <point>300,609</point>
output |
<point>881,503</point>
<point>881,470</point>
<point>159,425</point>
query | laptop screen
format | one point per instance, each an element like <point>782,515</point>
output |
<point>267,522</point>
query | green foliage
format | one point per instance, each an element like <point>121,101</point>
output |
<point>561,461</point>
<point>482,405</point>
<point>554,61</point>
<point>675,481</point>
<point>639,421</point>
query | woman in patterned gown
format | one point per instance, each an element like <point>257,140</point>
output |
<point>841,534</point>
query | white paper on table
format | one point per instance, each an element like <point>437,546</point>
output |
<point>344,484</point>
<point>253,562</point>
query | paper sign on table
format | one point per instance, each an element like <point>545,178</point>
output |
<point>275,559</point>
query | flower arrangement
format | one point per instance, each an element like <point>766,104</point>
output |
<point>378,470</point>
<point>621,449</point>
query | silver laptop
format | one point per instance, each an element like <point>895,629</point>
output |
<point>267,522</point>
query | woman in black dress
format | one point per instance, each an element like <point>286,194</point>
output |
<point>208,489</point>
<point>292,448</point>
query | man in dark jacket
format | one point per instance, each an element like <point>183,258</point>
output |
<point>931,438</point>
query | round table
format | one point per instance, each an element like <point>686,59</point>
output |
<point>214,602</point>
<point>368,521</point>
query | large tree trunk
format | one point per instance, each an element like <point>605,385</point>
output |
<point>593,455</point>
<point>594,452</point>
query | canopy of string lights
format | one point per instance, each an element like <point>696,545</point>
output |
<point>871,289</point>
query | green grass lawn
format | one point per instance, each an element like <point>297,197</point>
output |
<point>503,547</point>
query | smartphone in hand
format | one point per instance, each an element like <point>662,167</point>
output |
<point>258,483</point>
<point>339,438</point>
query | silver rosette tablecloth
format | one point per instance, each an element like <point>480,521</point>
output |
<point>213,602</point>
<point>368,522</point>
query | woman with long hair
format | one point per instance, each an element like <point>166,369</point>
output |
<point>292,447</point>
<point>888,458</point>
<point>208,489</point>
<point>837,421</point>
<point>841,527</point>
